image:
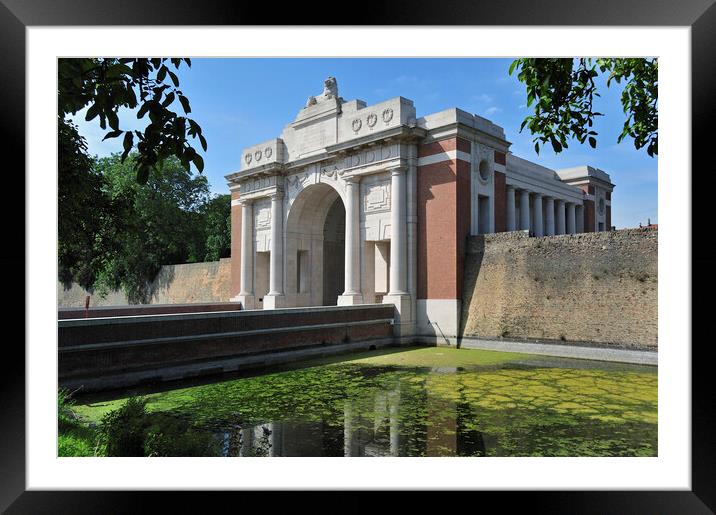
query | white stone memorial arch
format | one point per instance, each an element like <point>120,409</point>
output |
<point>362,204</point>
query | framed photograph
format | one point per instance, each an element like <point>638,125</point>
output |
<point>377,53</point>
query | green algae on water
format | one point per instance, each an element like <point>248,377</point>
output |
<point>423,402</point>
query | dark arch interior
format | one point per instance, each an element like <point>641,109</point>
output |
<point>334,253</point>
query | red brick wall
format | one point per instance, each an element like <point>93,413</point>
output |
<point>235,247</point>
<point>609,218</point>
<point>500,158</point>
<point>588,216</point>
<point>500,213</point>
<point>437,250</point>
<point>443,221</point>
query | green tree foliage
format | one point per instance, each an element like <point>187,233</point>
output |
<point>563,90</point>
<point>217,224</point>
<point>124,232</point>
<point>108,84</point>
<point>87,216</point>
<point>163,225</point>
<point>94,215</point>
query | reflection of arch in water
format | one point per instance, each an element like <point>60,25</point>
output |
<point>315,247</point>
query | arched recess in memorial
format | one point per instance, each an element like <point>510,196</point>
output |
<point>315,247</point>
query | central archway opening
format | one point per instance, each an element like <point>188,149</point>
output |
<point>334,253</point>
<point>315,247</point>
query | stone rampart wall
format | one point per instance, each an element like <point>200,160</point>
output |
<point>590,287</point>
<point>174,284</point>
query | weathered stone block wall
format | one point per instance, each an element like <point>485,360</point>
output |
<point>590,287</point>
<point>174,284</point>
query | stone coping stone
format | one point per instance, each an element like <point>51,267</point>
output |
<point>591,352</point>
<point>74,322</point>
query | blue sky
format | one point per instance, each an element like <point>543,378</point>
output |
<point>240,102</point>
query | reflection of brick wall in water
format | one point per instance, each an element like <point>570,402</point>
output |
<point>174,284</point>
<point>598,287</point>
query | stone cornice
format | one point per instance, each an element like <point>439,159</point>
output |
<point>259,171</point>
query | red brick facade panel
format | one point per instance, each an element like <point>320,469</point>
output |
<point>437,229</point>
<point>446,145</point>
<point>235,195</point>
<point>609,195</point>
<point>609,217</point>
<point>500,213</point>
<point>588,216</point>
<point>235,250</point>
<point>500,158</point>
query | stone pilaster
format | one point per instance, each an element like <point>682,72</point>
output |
<point>511,222</point>
<point>524,210</point>
<point>571,218</point>
<point>352,293</point>
<point>275,297</point>
<point>246,295</point>
<point>398,294</point>
<point>537,208</point>
<point>549,213</point>
<point>560,217</point>
<point>579,216</point>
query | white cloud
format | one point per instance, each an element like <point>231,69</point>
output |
<point>484,97</point>
<point>492,110</point>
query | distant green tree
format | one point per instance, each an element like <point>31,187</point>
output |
<point>163,226</point>
<point>88,217</point>
<point>217,224</point>
<point>562,93</point>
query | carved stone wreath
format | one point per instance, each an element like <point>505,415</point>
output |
<point>387,115</point>
<point>357,124</point>
<point>247,158</point>
<point>372,120</point>
<point>268,152</point>
<point>257,155</point>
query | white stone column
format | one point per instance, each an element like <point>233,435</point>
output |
<point>549,208</point>
<point>246,295</point>
<point>571,219</point>
<point>524,210</point>
<point>560,216</point>
<point>275,297</point>
<point>537,208</point>
<point>511,222</point>
<point>398,294</point>
<point>398,230</point>
<point>352,294</point>
<point>579,215</point>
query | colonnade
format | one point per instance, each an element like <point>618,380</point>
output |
<point>560,216</point>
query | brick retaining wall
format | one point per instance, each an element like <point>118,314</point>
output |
<point>101,347</point>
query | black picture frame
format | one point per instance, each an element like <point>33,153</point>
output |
<point>699,15</point>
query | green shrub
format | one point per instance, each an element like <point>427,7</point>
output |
<point>122,431</point>
<point>71,445</point>
<point>133,431</point>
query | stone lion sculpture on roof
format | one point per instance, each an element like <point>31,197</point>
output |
<point>330,90</point>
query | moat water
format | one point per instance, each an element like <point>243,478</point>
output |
<point>418,402</point>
